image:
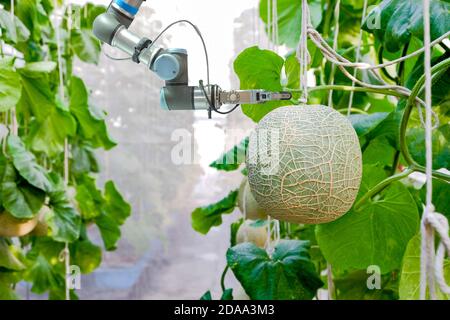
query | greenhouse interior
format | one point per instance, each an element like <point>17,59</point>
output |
<point>200,150</point>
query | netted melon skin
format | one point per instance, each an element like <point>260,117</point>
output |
<point>318,171</point>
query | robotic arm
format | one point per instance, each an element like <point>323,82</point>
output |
<point>171,65</point>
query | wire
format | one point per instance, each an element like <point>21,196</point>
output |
<point>114,58</point>
<point>197,30</point>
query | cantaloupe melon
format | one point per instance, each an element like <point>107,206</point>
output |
<point>304,164</point>
<point>13,227</point>
<point>253,211</point>
<point>254,234</point>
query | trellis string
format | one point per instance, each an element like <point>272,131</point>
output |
<point>357,57</point>
<point>335,44</point>
<point>65,254</point>
<point>431,264</point>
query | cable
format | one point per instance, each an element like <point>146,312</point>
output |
<point>197,30</point>
<point>114,58</point>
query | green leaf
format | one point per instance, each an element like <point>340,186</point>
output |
<point>363,124</point>
<point>259,69</point>
<point>289,17</point>
<point>89,198</point>
<point>375,235</point>
<point>43,276</point>
<point>227,294</point>
<point>288,274</point>
<point>37,98</point>
<point>63,220</point>
<point>49,134</point>
<point>415,138</point>
<point>15,31</point>
<point>10,85</point>
<point>233,158</point>
<point>92,125</point>
<point>19,198</point>
<point>401,19</point>
<point>109,230</point>
<point>25,163</point>
<point>7,283</point>
<point>115,204</point>
<point>440,196</point>
<point>234,227</point>
<point>8,256</point>
<point>83,159</point>
<point>206,296</point>
<point>204,218</point>
<point>409,288</point>
<point>353,286</point>
<point>85,45</point>
<point>34,17</point>
<point>85,255</point>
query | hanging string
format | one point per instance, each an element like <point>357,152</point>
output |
<point>302,52</point>
<point>275,25</point>
<point>335,44</point>
<point>65,254</point>
<point>357,57</point>
<point>330,284</point>
<point>244,204</point>
<point>427,239</point>
<point>269,25</point>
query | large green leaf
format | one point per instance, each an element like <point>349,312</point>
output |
<point>63,220</point>
<point>33,16</point>
<point>92,124</point>
<point>8,281</point>
<point>85,255</point>
<point>10,85</point>
<point>401,19</point>
<point>48,135</point>
<point>8,256</point>
<point>85,45</point>
<point>259,69</point>
<point>89,198</point>
<point>109,230</point>
<point>204,218</point>
<point>43,276</point>
<point>353,286</point>
<point>409,288</point>
<point>37,98</point>
<point>19,198</point>
<point>13,29</point>
<point>377,234</point>
<point>440,148</point>
<point>233,158</point>
<point>288,274</point>
<point>25,163</point>
<point>115,204</point>
<point>363,123</point>
<point>289,18</point>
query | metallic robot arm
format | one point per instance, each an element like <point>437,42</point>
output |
<point>171,65</point>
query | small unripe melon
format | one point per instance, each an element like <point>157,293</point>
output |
<point>304,164</point>
<point>253,211</point>
<point>13,227</point>
<point>254,234</point>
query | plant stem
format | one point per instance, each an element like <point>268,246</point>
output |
<point>401,67</point>
<point>383,70</point>
<point>380,186</point>
<point>395,163</point>
<point>350,88</point>
<point>354,110</point>
<point>437,70</point>
<point>222,278</point>
<point>436,174</point>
